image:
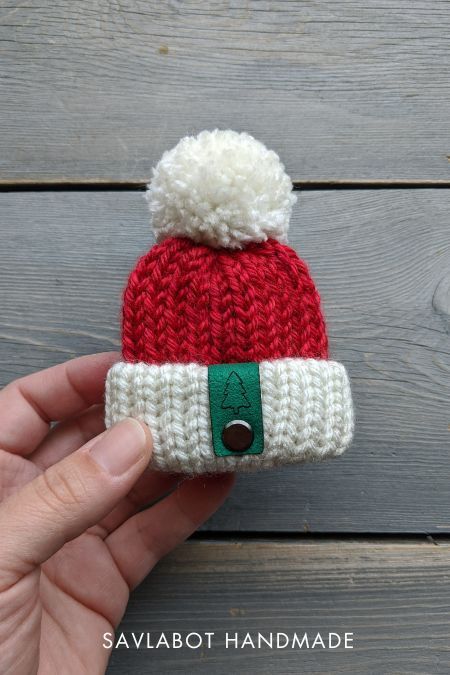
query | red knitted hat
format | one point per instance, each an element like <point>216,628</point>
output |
<point>225,352</point>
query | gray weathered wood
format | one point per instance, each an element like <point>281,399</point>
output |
<point>377,257</point>
<point>342,89</point>
<point>394,597</point>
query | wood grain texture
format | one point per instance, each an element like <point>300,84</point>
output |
<point>393,596</point>
<point>343,90</point>
<point>378,258</point>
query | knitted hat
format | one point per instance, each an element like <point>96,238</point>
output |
<point>225,352</point>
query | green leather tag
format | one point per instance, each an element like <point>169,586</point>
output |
<point>235,394</point>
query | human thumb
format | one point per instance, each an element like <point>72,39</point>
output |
<point>70,497</point>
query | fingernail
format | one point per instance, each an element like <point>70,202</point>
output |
<point>123,446</point>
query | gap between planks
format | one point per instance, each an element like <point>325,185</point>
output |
<point>376,538</point>
<point>63,184</point>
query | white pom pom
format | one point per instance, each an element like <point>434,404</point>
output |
<point>220,188</point>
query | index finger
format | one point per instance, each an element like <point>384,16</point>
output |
<point>29,405</point>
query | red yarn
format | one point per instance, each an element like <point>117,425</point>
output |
<point>188,303</point>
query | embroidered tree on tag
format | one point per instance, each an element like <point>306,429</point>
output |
<point>235,396</point>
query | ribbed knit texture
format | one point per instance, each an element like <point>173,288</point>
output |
<point>188,303</point>
<point>306,407</point>
<point>222,287</point>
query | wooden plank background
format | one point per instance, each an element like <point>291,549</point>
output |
<point>377,257</point>
<point>393,596</point>
<point>350,94</point>
<point>343,90</point>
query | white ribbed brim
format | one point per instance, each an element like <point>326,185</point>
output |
<point>306,406</point>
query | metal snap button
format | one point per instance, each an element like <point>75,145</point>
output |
<point>237,436</point>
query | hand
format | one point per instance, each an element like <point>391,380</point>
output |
<point>73,537</point>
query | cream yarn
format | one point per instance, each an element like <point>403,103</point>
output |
<point>306,406</point>
<point>220,188</point>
